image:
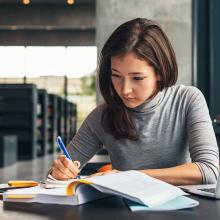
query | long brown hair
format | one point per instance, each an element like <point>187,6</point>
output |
<point>148,41</point>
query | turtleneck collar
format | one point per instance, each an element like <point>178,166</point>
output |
<point>151,103</point>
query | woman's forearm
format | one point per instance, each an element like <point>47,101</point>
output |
<point>185,174</point>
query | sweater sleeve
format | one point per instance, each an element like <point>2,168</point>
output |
<point>87,141</point>
<point>202,142</point>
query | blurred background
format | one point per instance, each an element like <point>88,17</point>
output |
<point>48,60</point>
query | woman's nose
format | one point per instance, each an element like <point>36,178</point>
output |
<point>126,87</point>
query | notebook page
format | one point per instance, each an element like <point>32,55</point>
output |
<point>149,190</point>
<point>51,182</point>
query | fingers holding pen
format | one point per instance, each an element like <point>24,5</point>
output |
<point>77,163</point>
<point>64,169</point>
<point>72,166</point>
<point>57,174</point>
<point>59,171</point>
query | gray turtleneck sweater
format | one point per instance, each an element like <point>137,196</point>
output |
<point>174,128</point>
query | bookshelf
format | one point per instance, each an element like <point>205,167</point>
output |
<point>18,114</point>
<point>42,122</point>
<point>60,117</point>
<point>52,122</point>
<point>8,149</point>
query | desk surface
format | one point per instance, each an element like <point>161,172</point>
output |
<point>110,208</point>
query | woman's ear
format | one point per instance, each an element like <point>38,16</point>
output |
<point>158,78</point>
<point>158,82</point>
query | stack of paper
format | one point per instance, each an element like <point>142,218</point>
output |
<point>148,192</point>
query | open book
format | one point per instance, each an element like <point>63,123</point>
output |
<point>131,185</point>
<point>51,182</point>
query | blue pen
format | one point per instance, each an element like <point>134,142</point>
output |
<point>63,149</point>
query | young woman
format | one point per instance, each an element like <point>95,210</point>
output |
<point>146,122</point>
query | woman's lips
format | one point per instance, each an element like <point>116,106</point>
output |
<point>128,99</point>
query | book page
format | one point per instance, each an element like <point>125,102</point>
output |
<point>85,193</point>
<point>37,190</point>
<point>51,182</point>
<point>40,195</point>
<point>134,184</point>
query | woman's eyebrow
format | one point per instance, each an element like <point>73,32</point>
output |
<point>115,70</point>
<point>137,73</point>
<point>131,73</point>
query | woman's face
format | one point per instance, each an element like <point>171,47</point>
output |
<point>133,79</point>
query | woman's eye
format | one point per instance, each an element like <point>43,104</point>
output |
<point>138,78</point>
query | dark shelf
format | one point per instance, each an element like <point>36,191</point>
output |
<point>52,122</point>
<point>18,114</point>
<point>42,122</point>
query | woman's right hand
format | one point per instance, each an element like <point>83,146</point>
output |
<point>64,169</point>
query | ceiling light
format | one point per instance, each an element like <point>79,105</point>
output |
<point>26,2</point>
<point>70,2</point>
